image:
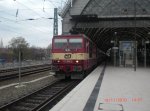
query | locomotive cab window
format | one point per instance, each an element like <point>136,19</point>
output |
<point>60,43</point>
<point>75,43</point>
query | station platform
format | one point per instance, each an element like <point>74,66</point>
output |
<point>112,89</point>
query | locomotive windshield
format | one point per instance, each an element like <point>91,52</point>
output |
<point>60,43</point>
<point>75,43</point>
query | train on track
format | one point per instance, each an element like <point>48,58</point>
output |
<point>73,56</point>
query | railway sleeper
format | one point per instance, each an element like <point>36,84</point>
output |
<point>33,101</point>
<point>18,108</point>
<point>38,98</point>
<point>25,104</point>
<point>43,95</point>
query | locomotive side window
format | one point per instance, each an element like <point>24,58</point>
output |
<point>75,43</point>
<point>60,43</point>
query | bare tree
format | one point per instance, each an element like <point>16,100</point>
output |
<point>19,43</point>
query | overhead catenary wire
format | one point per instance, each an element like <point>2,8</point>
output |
<point>8,19</point>
<point>23,20</point>
<point>53,3</point>
<point>26,9</point>
<point>33,9</point>
<point>18,21</point>
<point>31,28</point>
<point>17,34</point>
<point>29,8</point>
<point>7,13</point>
<point>43,9</point>
<point>12,31</point>
<point>33,4</point>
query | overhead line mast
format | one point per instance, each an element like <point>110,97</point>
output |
<point>55,26</point>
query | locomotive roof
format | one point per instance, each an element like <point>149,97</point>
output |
<point>75,35</point>
<point>67,35</point>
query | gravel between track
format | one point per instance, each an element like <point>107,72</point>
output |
<point>10,92</point>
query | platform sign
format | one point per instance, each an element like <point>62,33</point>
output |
<point>126,46</point>
<point>126,53</point>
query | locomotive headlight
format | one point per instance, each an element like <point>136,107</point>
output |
<point>77,61</point>
<point>58,61</point>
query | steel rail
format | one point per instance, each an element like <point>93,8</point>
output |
<point>42,99</point>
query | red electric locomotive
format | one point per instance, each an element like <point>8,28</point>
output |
<point>73,56</point>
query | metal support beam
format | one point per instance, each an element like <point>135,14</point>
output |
<point>71,2</point>
<point>135,47</point>
<point>145,53</point>
<point>114,24</point>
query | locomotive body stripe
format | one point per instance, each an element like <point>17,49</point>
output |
<point>72,56</point>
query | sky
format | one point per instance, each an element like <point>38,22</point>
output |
<point>37,32</point>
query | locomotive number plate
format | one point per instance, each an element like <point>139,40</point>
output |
<point>67,56</point>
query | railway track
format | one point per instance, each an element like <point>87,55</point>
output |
<point>23,68</point>
<point>13,73</point>
<point>43,99</point>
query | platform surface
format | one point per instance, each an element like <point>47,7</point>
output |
<point>122,89</point>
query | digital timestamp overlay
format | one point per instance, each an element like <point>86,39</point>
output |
<point>116,100</point>
<point>116,104</point>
